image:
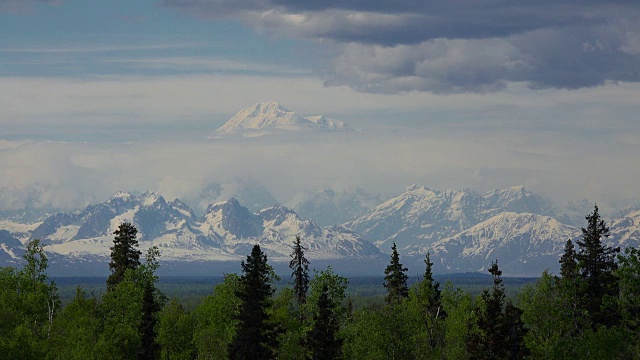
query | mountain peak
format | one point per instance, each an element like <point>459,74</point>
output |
<point>269,116</point>
<point>121,195</point>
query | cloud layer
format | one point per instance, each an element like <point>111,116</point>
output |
<point>453,46</point>
<point>71,175</point>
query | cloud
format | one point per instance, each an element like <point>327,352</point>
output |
<point>71,175</point>
<point>454,46</point>
<point>21,6</point>
<point>132,108</point>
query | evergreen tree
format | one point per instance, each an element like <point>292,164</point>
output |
<point>395,279</point>
<point>256,336</point>
<point>432,288</point>
<point>596,267</point>
<point>322,341</point>
<point>568,264</point>
<point>300,272</point>
<point>152,301</point>
<point>124,253</point>
<point>500,330</point>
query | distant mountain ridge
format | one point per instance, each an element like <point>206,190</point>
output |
<point>463,230</point>
<point>269,117</point>
<point>420,216</point>
<point>226,231</point>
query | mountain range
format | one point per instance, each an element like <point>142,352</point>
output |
<point>463,230</point>
<point>270,117</point>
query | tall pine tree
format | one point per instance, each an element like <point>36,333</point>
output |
<point>300,272</point>
<point>395,279</point>
<point>596,267</point>
<point>256,336</point>
<point>322,340</point>
<point>124,253</point>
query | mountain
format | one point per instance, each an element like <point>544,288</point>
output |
<point>328,207</point>
<point>523,244</point>
<point>625,231</point>
<point>226,232</point>
<point>270,117</point>
<point>420,216</point>
<point>251,194</point>
<point>275,227</point>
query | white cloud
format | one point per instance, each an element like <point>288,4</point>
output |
<point>73,175</point>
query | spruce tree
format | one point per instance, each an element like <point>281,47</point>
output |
<point>568,265</point>
<point>596,267</point>
<point>300,272</point>
<point>569,283</point>
<point>256,336</point>
<point>501,331</point>
<point>322,340</point>
<point>124,253</point>
<point>432,287</point>
<point>395,279</point>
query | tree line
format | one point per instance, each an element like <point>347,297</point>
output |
<point>591,310</point>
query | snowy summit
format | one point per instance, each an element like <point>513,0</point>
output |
<point>270,117</point>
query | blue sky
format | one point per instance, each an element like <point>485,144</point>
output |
<point>447,94</point>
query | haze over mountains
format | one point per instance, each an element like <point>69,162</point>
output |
<point>462,229</point>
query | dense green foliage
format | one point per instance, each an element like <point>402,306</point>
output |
<point>590,311</point>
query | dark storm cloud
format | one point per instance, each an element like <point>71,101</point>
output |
<point>454,46</point>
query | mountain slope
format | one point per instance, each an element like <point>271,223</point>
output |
<point>420,216</point>
<point>227,231</point>
<point>269,117</point>
<point>522,243</point>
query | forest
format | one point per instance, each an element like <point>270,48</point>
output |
<point>590,310</point>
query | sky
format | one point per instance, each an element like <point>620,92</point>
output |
<point>102,96</point>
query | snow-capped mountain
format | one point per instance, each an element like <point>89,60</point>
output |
<point>269,117</point>
<point>461,229</point>
<point>625,231</point>
<point>227,231</point>
<point>523,243</point>
<point>328,207</point>
<point>275,227</point>
<point>420,216</point>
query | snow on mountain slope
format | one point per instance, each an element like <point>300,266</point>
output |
<point>227,231</point>
<point>625,232</point>
<point>275,229</point>
<point>20,231</point>
<point>419,216</point>
<point>168,225</point>
<point>519,241</point>
<point>269,116</point>
<point>11,248</point>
